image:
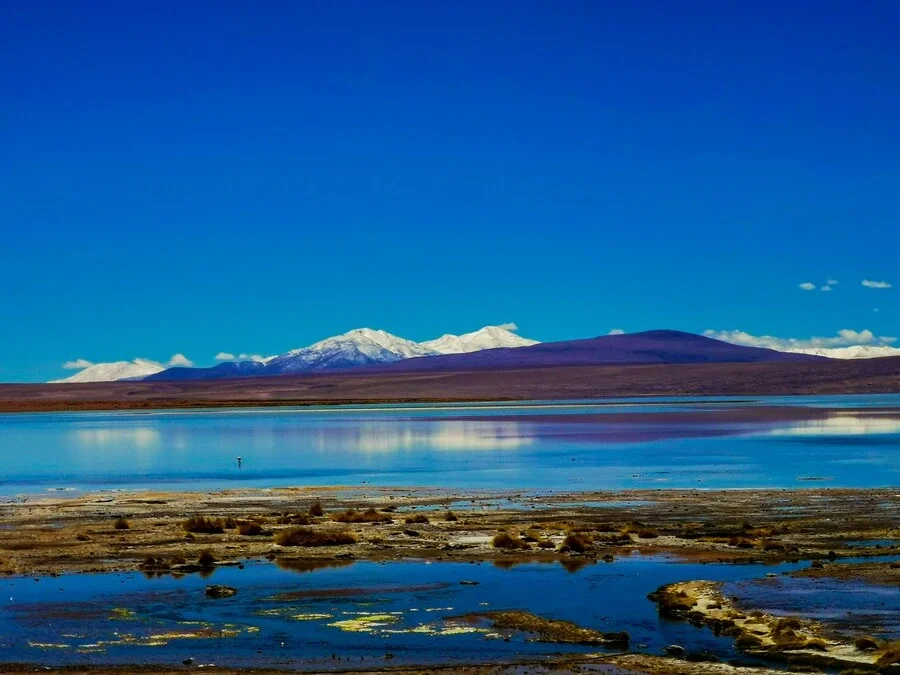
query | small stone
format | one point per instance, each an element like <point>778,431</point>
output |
<point>188,662</point>
<point>468,583</point>
<point>220,591</point>
<point>674,650</point>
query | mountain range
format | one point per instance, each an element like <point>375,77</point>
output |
<point>491,347</point>
<point>356,348</point>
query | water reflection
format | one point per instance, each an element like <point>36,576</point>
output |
<point>839,425</point>
<point>732,446</point>
<point>140,437</point>
<point>392,436</point>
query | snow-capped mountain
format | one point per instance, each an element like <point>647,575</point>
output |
<point>117,370</point>
<point>854,352</point>
<point>489,337</point>
<point>359,347</point>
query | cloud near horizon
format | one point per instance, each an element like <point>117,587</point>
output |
<point>228,356</point>
<point>807,286</point>
<point>511,326</point>
<point>616,331</point>
<point>877,284</point>
<point>845,337</point>
<point>180,360</point>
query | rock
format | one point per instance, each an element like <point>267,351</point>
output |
<point>817,565</point>
<point>674,650</point>
<point>220,591</point>
<point>188,662</point>
<point>608,558</point>
<point>468,583</point>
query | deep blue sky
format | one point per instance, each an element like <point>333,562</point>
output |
<point>241,176</point>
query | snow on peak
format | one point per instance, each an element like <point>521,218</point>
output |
<point>358,347</point>
<point>489,337</point>
<point>117,370</point>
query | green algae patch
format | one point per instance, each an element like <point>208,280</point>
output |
<point>366,623</point>
<point>122,614</point>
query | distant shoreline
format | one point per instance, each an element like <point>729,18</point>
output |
<point>868,376</point>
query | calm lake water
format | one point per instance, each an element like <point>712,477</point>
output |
<point>676,443</point>
<point>360,611</point>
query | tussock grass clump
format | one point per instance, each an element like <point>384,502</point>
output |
<point>206,560</point>
<point>647,533</point>
<point>82,537</point>
<point>865,644</point>
<point>418,519</point>
<point>577,543</point>
<point>770,545</point>
<point>316,510</point>
<point>508,541</point>
<point>741,542</point>
<point>230,523</point>
<point>204,525</point>
<point>122,523</point>
<point>786,626</point>
<point>249,528</point>
<point>306,536</point>
<point>546,543</point>
<point>367,516</point>
<point>451,517</point>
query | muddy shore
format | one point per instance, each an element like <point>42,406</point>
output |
<point>150,530</point>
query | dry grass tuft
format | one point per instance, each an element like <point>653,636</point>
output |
<point>316,510</point>
<point>418,519</point>
<point>577,543</point>
<point>367,516</point>
<point>865,644</point>
<point>122,523</point>
<point>450,516</point>
<point>204,525</point>
<point>508,541</point>
<point>206,560</point>
<point>305,536</point>
<point>249,528</point>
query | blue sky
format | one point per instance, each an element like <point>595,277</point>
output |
<point>251,177</point>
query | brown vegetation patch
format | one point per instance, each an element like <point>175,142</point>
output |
<point>204,525</point>
<point>367,516</point>
<point>550,630</point>
<point>306,536</point>
<point>508,541</point>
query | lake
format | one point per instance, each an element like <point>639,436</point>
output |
<point>847,441</point>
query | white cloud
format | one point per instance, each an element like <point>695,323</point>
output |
<point>252,357</point>
<point>877,284</point>
<point>845,337</point>
<point>509,326</point>
<point>224,356</point>
<point>825,288</point>
<point>832,282</point>
<point>807,286</point>
<point>616,331</point>
<point>180,360</point>
<point>77,364</point>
